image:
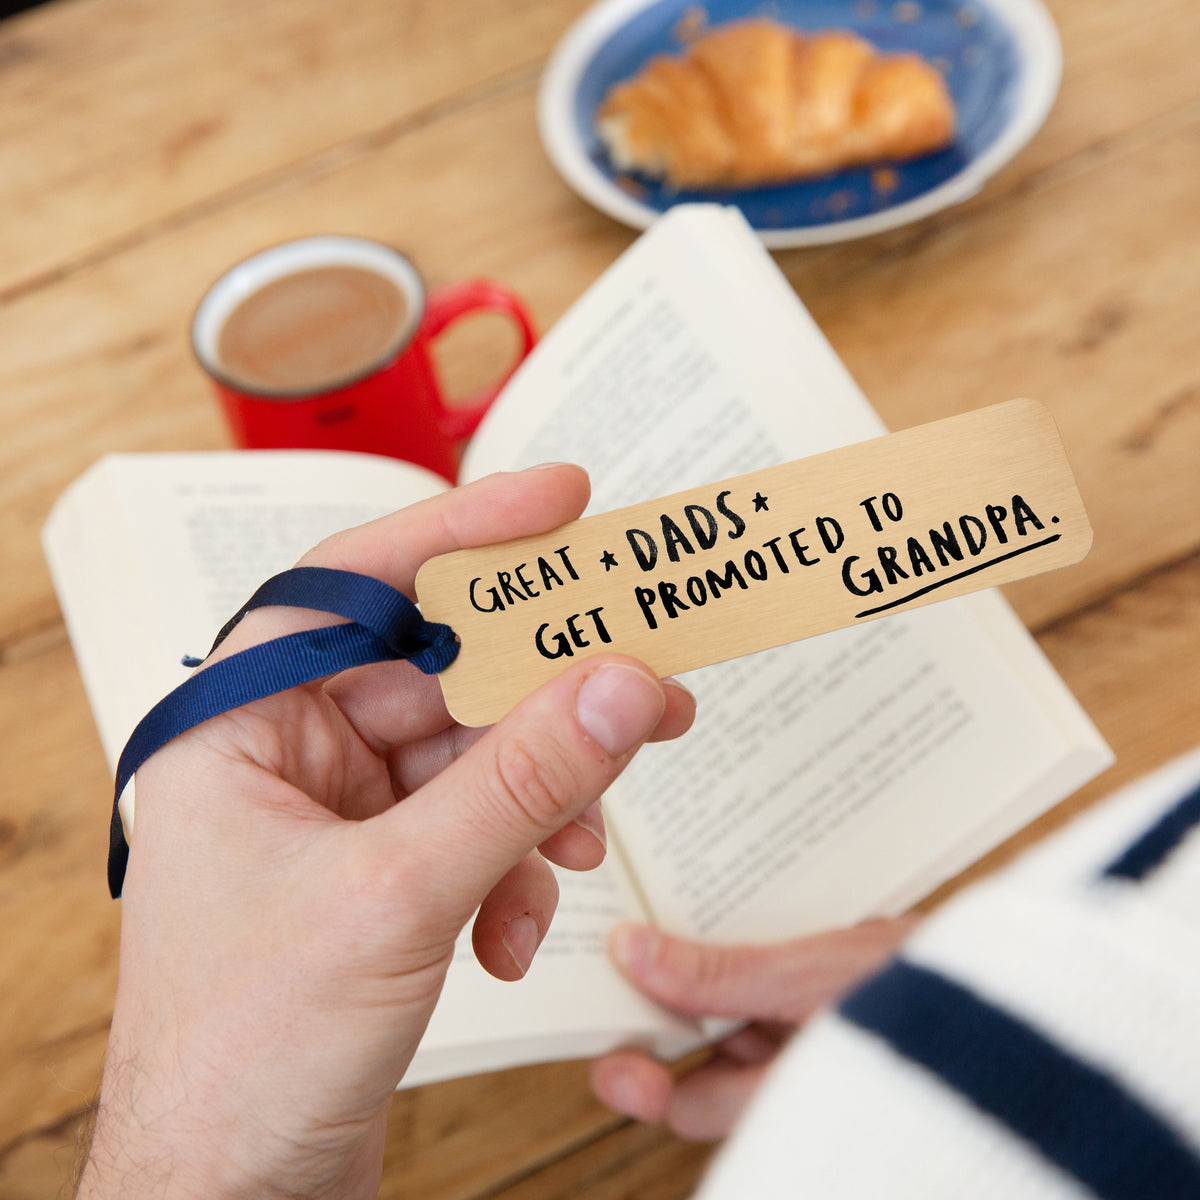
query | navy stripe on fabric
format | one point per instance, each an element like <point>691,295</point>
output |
<point>1079,1117</point>
<point>1154,847</point>
<point>383,625</point>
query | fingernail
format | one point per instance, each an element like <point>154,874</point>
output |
<point>623,1094</point>
<point>671,681</point>
<point>543,466</point>
<point>592,820</point>
<point>633,947</point>
<point>521,937</point>
<point>619,706</point>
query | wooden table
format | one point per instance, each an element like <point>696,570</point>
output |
<point>146,145</point>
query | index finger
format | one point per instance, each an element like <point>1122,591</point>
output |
<point>496,508</point>
<point>493,509</point>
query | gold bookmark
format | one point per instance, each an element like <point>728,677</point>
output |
<point>860,532</point>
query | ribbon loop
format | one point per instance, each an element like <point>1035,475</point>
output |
<point>383,624</point>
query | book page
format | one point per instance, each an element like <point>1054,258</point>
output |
<point>830,775</point>
<point>571,1004</point>
<point>672,372</point>
<point>826,780</point>
<point>152,553</point>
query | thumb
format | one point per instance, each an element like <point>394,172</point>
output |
<point>526,778</point>
<point>787,981</point>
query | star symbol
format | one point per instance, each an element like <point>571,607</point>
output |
<point>608,561</point>
<point>760,502</point>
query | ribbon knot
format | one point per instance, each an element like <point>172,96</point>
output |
<point>382,624</point>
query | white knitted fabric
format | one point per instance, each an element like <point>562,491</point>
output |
<point>1107,969</point>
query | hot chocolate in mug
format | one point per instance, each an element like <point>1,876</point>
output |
<point>324,343</point>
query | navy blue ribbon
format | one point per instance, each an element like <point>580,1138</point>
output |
<point>383,625</point>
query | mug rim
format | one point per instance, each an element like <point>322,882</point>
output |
<point>251,274</point>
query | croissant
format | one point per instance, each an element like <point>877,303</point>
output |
<point>757,102</point>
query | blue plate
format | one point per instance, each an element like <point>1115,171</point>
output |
<point>1001,59</point>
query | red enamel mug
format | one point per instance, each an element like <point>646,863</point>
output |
<point>388,403</point>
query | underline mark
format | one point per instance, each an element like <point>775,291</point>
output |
<point>870,612</point>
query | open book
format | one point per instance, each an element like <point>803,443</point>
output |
<point>824,782</point>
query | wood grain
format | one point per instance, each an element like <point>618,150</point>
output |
<point>671,581</point>
<point>121,117</point>
<point>466,1138</point>
<point>963,320</point>
<point>635,1160</point>
<point>61,937</point>
<point>1129,659</point>
<point>974,315</point>
<point>145,146</point>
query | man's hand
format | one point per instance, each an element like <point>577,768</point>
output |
<point>775,988</point>
<point>301,868</point>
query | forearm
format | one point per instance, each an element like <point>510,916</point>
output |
<point>134,1152</point>
<point>287,922</point>
<point>157,1134</point>
<point>163,1129</point>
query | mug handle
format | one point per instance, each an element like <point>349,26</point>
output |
<point>445,306</point>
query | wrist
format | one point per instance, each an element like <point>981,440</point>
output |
<point>140,1146</point>
<point>157,1133</point>
<point>170,1131</point>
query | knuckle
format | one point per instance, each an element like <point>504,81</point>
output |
<point>535,781</point>
<point>716,967</point>
<point>382,879</point>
